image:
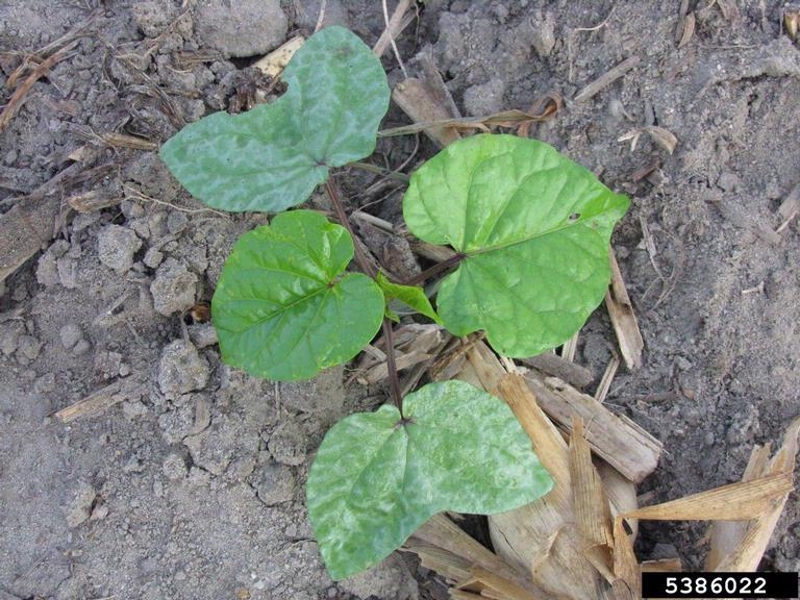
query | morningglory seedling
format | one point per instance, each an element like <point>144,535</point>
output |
<point>530,229</point>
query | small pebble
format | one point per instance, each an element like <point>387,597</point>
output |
<point>29,346</point>
<point>70,335</point>
<point>174,467</point>
<point>82,347</point>
<point>45,384</point>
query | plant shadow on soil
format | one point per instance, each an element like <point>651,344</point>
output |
<point>191,484</point>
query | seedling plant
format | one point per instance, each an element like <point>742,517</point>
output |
<point>530,230</point>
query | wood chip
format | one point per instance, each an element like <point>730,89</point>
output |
<point>682,12</point>
<point>590,505</point>
<point>553,364</point>
<point>92,405</point>
<point>662,136</point>
<point>41,70</point>
<point>399,21</point>
<point>570,348</point>
<point>736,501</point>
<point>596,86</point>
<point>441,532</point>
<point>275,62</point>
<point>485,584</point>
<point>729,9</point>
<point>92,201</point>
<point>615,438</point>
<point>618,303</point>
<point>417,99</point>
<point>608,377</point>
<point>687,32</point>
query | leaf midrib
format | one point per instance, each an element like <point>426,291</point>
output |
<point>503,246</point>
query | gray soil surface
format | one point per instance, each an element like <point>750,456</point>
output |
<point>189,485</point>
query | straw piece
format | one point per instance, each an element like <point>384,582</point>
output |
<point>441,532</point>
<point>606,79</point>
<point>552,364</point>
<point>419,102</point>
<point>93,404</point>
<point>623,318</point>
<point>490,585</point>
<point>589,503</point>
<point>735,502</point>
<point>275,62</point>
<point>617,439</point>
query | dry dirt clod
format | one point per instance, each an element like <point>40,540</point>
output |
<point>274,483</point>
<point>174,288</point>
<point>80,507</point>
<point>181,369</point>
<point>116,246</point>
<point>239,28</point>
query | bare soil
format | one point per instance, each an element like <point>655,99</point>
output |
<point>190,484</point>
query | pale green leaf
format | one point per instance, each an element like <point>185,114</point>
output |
<point>535,228</point>
<point>284,309</point>
<point>377,478</point>
<point>273,156</point>
<point>410,295</point>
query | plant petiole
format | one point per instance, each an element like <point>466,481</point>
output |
<point>366,267</point>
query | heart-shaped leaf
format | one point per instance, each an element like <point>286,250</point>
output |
<point>535,228</point>
<point>273,156</point>
<point>284,308</point>
<point>377,478</point>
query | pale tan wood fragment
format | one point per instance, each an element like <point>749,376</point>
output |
<point>553,364</point>
<point>626,568</point>
<point>399,21</point>
<point>752,547</point>
<point>682,12</point>
<point>617,439</point>
<point>441,532</point>
<point>93,404</point>
<point>590,505</point>
<point>608,377</point>
<point>570,347</point>
<point>623,318</point>
<point>734,502</point>
<point>687,31</point>
<point>725,536</point>
<point>606,79</point>
<point>417,101</point>
<point>790,204</point>
<point>402,361</point>
<point>448,565</point>
<point>92,201</point>
<point>662,565</point>
<point>491,585</point>
<point>789,208</point>
<point>275,62</point>
<point>25,229</point>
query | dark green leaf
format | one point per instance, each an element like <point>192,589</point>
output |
<point>535,228</point>
<point>273,156</point>
<point>377,478</point>
<point>283,309</point>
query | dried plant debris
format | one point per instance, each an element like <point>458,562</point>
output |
<point>660,135</point>
<point>791,20</point>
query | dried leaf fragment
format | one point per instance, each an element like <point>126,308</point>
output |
<point>687,31</point>
<point>661,136</point>
<point>791,20</point>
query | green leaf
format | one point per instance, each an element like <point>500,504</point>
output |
<point>409,295</point>
<point>377,478</point>
<point>535,228</point>
<point>273,156</point>
<point>283,309</point>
